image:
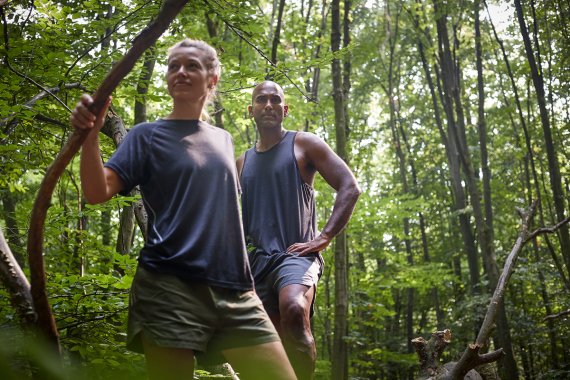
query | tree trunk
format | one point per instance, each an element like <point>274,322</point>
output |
<point>340,347</point>
<point>218,107</point>
<point>508,367</point>
<point>277,33</point>
<point>553,165</point>
<point>448,77</point>
<point>143,84</point>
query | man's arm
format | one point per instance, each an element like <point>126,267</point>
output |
<point>99,184</point>
<point>316,155</point>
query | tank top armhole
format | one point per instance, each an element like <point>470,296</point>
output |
<point>305,184</point>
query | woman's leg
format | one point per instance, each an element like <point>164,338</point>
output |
<point>261,362</point>
<point>165,363</point>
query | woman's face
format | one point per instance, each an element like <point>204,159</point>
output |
<point>187,75</point>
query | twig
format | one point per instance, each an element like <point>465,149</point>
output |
<point>556,316</point>
<point>545,230</point>
<point>259,51</point>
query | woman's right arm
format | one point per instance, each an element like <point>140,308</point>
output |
<point>99,183</point>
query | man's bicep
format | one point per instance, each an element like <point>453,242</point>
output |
<point>330,166</point>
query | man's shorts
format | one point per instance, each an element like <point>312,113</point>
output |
<point>176,314</point>
<point>285,269</point>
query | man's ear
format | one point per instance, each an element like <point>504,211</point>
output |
<point>285,111</point>
<point>250,111</point>
<point>214,81</point>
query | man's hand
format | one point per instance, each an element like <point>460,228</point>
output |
<point>314,246</point>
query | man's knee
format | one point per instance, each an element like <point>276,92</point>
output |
<point>295,321</point>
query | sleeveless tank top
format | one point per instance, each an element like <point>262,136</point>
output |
<point>278,207</point>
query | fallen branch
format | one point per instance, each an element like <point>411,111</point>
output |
<point>16,283</point>
<point>429,353</point>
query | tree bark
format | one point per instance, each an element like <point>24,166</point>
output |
<point>340,347</point>
<point>553,165</point>
<point>277,33</point>
<point>448,78</point>
<point>15,281</point>
<point>143,84</point>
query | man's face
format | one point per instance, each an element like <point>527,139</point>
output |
<point>268,105</point>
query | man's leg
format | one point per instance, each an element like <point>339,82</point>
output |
<point>294,326</point>
<point>165,363</point>
<point>261,362</point>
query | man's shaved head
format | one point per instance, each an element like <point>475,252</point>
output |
<point>267,85</point>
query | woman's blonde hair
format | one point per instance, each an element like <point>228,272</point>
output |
<point>211,61</point>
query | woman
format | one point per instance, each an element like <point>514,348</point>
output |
<point>193,290</point>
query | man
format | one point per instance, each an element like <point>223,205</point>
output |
<point>278,210</point>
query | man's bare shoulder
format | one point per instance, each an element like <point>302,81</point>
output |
<point>309,139</point>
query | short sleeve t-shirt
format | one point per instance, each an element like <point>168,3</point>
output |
<point>187,177</point>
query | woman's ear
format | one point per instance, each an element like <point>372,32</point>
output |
<point>213,81</point>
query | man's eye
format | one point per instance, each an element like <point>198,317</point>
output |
<point>261,100</point>
<point>275,100</point>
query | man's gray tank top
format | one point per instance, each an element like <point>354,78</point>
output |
<point>278,207</point>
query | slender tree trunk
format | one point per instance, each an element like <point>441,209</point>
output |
<point>553,165</point>
<point>340,347</point>
<point>534,184</point>
<point>448,77</point>
<point>507,367</point>
<point>143,84</point>
<point>277,33</point>
<point>218,107</point>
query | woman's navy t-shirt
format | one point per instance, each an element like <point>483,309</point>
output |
<point>187,177</point>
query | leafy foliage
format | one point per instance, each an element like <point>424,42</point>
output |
<point>397,151</point>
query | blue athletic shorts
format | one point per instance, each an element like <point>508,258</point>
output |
<point>288,269</point>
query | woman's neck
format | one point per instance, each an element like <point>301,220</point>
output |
<point>183,110</point>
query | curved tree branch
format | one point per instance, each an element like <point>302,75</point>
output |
<point>143,41</point>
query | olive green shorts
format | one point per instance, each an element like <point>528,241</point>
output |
<point>176,314</point>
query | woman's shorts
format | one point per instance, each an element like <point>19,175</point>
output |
<point>176,314</point>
